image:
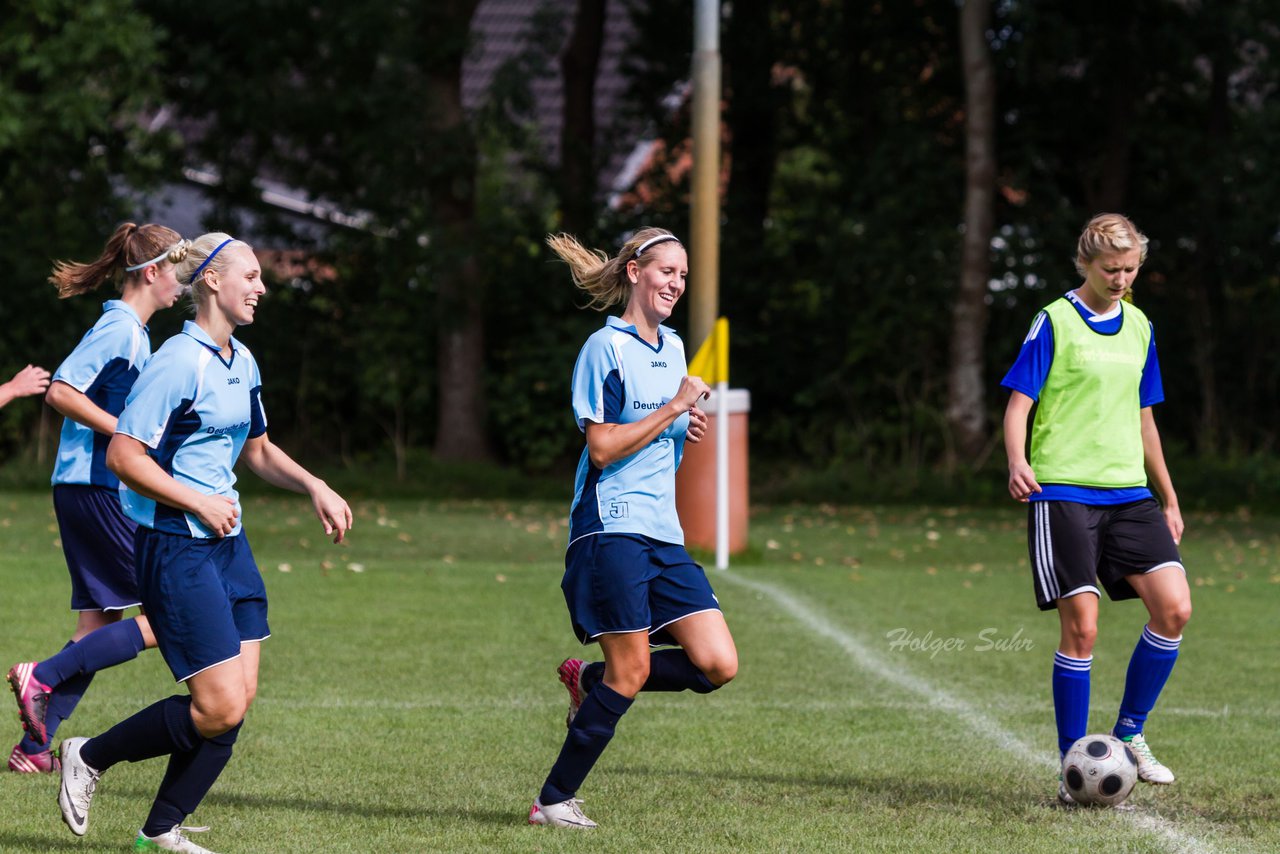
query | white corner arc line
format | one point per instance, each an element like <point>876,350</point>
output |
<point>983,724</point>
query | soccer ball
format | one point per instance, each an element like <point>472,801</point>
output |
<point>1099,770</point>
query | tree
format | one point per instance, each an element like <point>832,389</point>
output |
<point>966,410</point>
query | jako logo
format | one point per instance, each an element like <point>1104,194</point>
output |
<point>657,364</point>
<point>636,404</point>
<point>218,431</point>
<point>233,381</point>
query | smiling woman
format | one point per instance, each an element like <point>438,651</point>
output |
<point>628,580</point>
<point>194,411</point>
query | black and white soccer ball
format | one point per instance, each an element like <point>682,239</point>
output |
<point>1099,770</point>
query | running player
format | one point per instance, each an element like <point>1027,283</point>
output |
<point>193,412</point>
<point>89,388</point>
<point>1090,363</point>
<point>628,580</point>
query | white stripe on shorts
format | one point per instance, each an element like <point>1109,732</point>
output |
<point>1045,575</point>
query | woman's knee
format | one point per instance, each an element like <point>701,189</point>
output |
<point>1169,621</point>
<point>721,669</point>
<point>627,677</point>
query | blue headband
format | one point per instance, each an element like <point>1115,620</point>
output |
<point>192,280</point>
<point>661,238</point>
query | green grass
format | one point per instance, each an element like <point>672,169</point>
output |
<point>409,702</point>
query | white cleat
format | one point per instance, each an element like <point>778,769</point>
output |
<point>564,814</point>
<point>1150,769</point>
<point>174,840</point>
<point>79,781</point>
<point>1064,796</point>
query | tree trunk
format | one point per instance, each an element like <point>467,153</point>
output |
<point>751,115</point>
<point>459,276</point>
<point>966,413</point>
<point>579,65</point>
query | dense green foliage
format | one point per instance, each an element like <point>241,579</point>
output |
<point>841,236</point>
<point>427,647</point>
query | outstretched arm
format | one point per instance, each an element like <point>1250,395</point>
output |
<point>272,464</point>
<point>26,382</point>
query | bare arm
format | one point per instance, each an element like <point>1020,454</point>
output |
<point>77,406</point>
<point>608,443</point>
<point>128,458</point>
<point>1158,473</point>
<point>277,468</point>
<point>1022,480</point>
<point>26,382</point>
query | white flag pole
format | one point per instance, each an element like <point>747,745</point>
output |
<point>722,474</point>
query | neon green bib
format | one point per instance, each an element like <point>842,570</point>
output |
<point>1088,423</point>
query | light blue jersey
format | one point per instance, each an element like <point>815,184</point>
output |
<point>620,378</point>
<point>103,367</point>
<point>194,411</point>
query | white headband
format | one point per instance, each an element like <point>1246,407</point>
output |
<point>155,260</point>
<point>661,238</point>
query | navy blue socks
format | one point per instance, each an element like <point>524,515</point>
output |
<point>589,734</point>
<point>159,729</point>
<point>1071,698</point>
<point>187,780</point>
<point>669,670</point>
<point>1149,668</point>
<point>70,671</point>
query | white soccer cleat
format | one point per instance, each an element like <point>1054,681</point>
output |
<point>564,814</point>
<point>174,840</point>
<point>1150,769</point>
<point>1064,796</point>
<point>79,781</point>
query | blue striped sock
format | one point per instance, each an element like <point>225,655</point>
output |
<point>1071,698</point>
<point>1149,668</point>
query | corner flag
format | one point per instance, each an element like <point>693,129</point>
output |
<point>711,362</point>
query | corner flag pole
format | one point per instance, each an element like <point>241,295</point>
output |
<point>711,362</point>
<point>721,335</point>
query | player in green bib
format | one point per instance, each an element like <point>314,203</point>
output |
<point>1089,368</point>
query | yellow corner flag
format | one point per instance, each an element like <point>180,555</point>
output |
<point>712,359</point>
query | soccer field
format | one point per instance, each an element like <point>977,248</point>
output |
<point>893,693</point>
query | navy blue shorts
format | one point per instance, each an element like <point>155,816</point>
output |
<point>616,583</point>
<point>97,540</point>
<point>204,597</point>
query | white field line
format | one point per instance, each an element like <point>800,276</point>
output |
<point>980,723</point>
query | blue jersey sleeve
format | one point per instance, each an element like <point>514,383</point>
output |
<point>164,391</point>
<point>1031,368</point>
<point>1151,388</point>
<point>118,345</point>
<point>597,384</point>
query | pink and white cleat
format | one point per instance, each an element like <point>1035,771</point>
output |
<point>33,699</point>
<point>570,673</point>
<point>44,762</point>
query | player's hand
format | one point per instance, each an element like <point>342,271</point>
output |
<point>218,513</point>
<point>692,390</point>
<point>697,426</point>
<point>1022,482</point>
<point>1173,518</point>
<point>28,381</point>
<point>332,511</point>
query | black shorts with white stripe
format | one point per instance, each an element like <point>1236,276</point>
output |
<point>1075,547</point>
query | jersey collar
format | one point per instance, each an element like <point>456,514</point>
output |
<point>197,332</point>
<point>622,326</point>
<point>121,305</point>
